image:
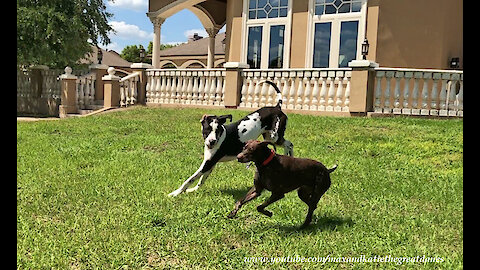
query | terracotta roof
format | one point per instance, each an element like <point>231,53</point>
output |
<point>197,47</point>
<point>110,58</point>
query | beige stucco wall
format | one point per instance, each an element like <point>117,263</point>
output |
<point>234,26</point>
<point>299,34</point>
<point>419,34</point>
<point>407,33</point>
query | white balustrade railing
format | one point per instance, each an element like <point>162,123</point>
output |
<point>186,86</point>
<point>129,89</point>
<point>24,83</point>
<point>51,83</point>
<point>303,89</point>
<point>419,92</point>
<point>85,90</point>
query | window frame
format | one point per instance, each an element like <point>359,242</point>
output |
<point>267,23</point>
<point>336,21</point>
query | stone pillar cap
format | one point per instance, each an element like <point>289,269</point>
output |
<point>236,65</point>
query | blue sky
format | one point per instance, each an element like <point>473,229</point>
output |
<point>134,27</point>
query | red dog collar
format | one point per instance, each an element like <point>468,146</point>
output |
<point>272,154</point>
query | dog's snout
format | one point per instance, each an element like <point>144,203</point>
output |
<point>212,142</point>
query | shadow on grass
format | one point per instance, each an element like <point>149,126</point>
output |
<point>323,223</point>
<point>236,193</point>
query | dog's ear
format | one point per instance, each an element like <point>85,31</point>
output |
<point>205,116</point>
<point>223,118</point>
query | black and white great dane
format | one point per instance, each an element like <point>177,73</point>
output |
<point>225,142</point>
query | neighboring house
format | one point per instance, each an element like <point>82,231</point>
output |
<point>109,58</point>
<point>319,33</point>
<point>193,54</point>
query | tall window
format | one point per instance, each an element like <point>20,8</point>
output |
<point>337,30</point>
<point>267,30</point>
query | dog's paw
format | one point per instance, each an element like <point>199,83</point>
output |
<point>232,214</point>
<point>175,193</point>
<point>192,189</point>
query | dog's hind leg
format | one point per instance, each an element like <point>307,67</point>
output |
<point>320,188</point>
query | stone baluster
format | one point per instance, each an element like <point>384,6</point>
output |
<point>285,89</point>
<point>207,88</point>
<point>331,90</point>
<point>173,88</point>
<point>406,93</point>
<point>148,87</point>
<point>443,94</point>
<point>308,90</point>
<point>300,92</point>
<point>416,79</point>
<point>425,108</point>
<point>316,91</point>
<point>339,101</point>
<point>163,86</point>
<point>201,87</point>
<point>188,98</point>
<point>459,100</point>
<point>291,99</point>
<point>346,103</point>
<point>386,107</point>
<point>213,84</point>
<point>377,105</point>
<point>323,91</point>
<point>396,97</point>
<point>452,92</point>
<point>256,93</point>
<point>195,88</point>
<point>434,95</point>
<point>243,97</point>
<point>218,91</point>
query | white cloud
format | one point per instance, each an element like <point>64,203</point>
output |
<point>112,46</point>
<point>201,32</point>
<point>130,31</point>
<point>137,5</point>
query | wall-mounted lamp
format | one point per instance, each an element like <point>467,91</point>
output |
<point>365,47</point>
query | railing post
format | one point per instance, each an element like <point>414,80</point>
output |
<point>233,83</point>
<point>100,70</point>
<point>111,89</point>
<point>141,69</point>
<point>362,85</point>
<point>68,94</point>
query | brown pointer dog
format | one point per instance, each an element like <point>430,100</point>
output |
<point>281,174</point>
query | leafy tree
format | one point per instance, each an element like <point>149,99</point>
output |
<point>131,53</point>
<point>58,33</point>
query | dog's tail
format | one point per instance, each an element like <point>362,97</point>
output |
<point>332,169</point>
<point>279,93</point>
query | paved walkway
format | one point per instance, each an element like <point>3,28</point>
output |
<point>31,119</point>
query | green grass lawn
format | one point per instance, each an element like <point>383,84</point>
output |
<point>92,194</point>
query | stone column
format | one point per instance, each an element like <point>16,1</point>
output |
<point>362,86</point>
<point>212,32</point>
<point>111,89</point>
<point>233,83</point>
<point>157,25</point>
<point>141,69</point>
<point>100,70</point>
<point>69,93</point>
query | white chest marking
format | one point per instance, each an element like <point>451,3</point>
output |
<point>251,128</point>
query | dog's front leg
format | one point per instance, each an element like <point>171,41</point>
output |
<point>251,194</point>
<point>187,182</point>
<point>201,181</point>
